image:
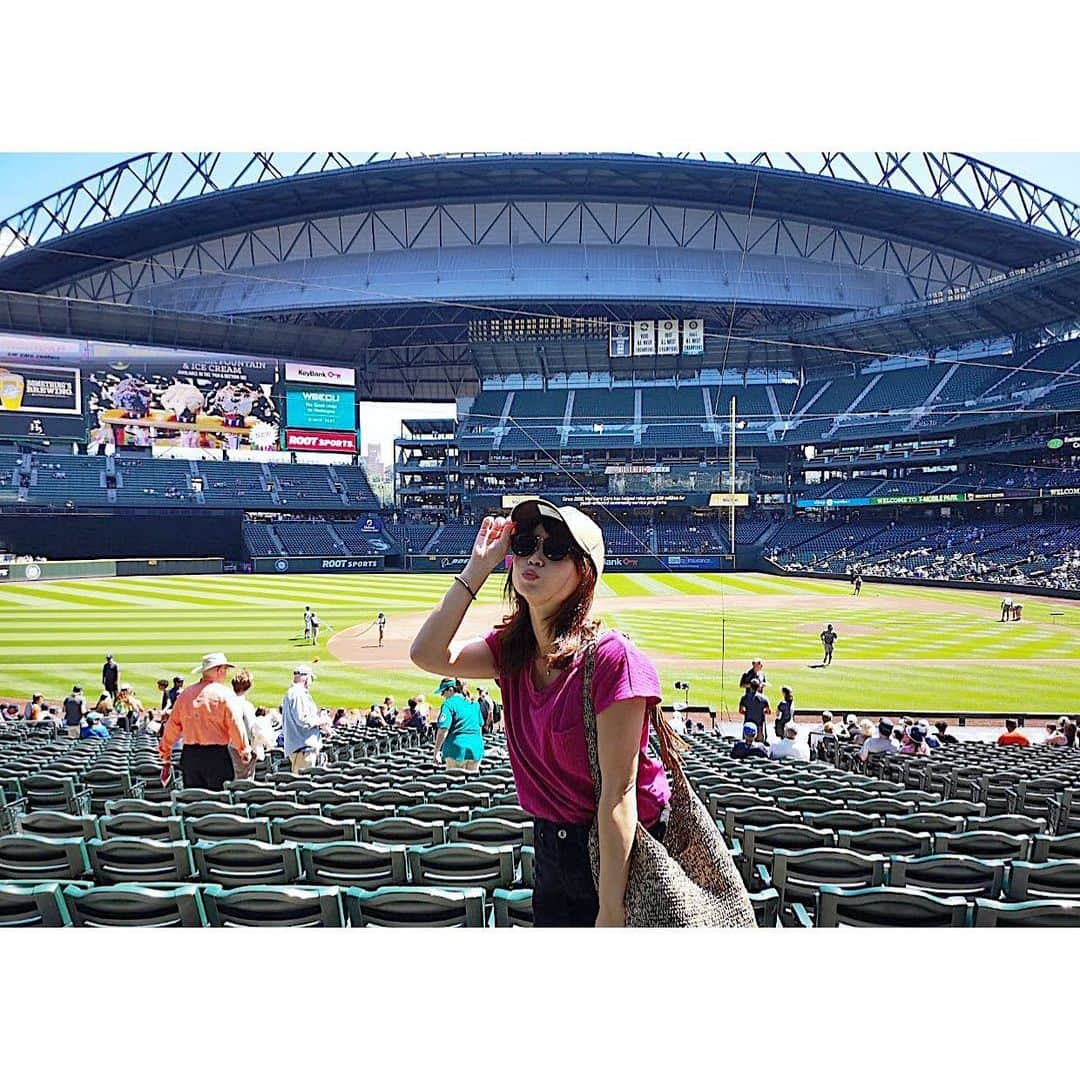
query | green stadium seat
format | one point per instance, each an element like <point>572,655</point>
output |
<point>311,829</point>
<point>528,866</point>
<point>141,826</point>
<point>835,820</point>
<point>236,863</point>
<point>132,905</point>
<point>491,831</point>
<point>949,875</point>
<point>983,844</point>
<point>226,827</point>
<point>42,859</point>
<point>513,907</point>
<point>274,905</point>
<point>354,864</point>
<point>59,826</point>
<point>1028,913</point>
<point>462,866</point>
<point>766,905</point>
<point>402,830</point>
<point>887,906</point>
<point>415,906</point>
<point>1046,847</point>
<point>760,842</point>
<point>23,906</point>
<point>127,861</point>
<point>886,842</point>
<point>799,876</point>
<point>206,807</point>
<point>139,806</point>
<point>1058,879</point>
<point>925,822</point>
<point>359,811</point>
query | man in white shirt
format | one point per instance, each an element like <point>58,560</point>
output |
<point>787,747</point>
<point>881,743</point>
<point>302,722</point>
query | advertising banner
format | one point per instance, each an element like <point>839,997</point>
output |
<point>619,339</point>
<point>323,410</point>
<point>694,562</point>
<point>725,498</point>
<point>319,565</point>
<point>693,337</point>
<point>39,400</point>
<point>440,564</point>
<point>371,524</point>
<point>336,442</point>
<point>319,373</point>
<point>645,338</point>
<point>667,337</point>
<point>142,396</point>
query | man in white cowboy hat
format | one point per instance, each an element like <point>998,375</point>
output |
<point>303,725</point>
<point>209,718</point>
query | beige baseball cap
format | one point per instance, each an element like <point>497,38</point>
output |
<point>586,533</point>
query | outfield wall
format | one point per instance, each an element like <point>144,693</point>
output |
<point>106,568</point>
<point>319,564</point>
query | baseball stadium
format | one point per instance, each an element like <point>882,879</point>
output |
<point>824,410</point>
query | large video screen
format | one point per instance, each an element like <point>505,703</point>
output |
<point>41,388</point>
<point>321,409</point>
<point>156,397</point>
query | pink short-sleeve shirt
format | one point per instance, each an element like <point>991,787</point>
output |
<point>545,732</point>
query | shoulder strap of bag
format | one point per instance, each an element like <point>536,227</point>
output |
<point>665,737</point>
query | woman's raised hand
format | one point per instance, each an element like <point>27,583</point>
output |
<point>492,542</point>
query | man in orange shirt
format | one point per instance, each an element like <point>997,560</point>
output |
<point>1011,737</point>
<point>209,718</point>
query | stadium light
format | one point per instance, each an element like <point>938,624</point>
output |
<point>810,452</point>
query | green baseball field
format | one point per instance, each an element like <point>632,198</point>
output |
<point>900,647</point>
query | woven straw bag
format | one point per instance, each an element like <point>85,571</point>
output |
<point>690,878</point>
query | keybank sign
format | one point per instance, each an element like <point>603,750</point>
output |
<point>316,373</point>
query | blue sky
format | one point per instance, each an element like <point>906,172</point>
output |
<point>25,178</point>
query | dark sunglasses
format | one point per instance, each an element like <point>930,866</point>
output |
<point>556,545</point>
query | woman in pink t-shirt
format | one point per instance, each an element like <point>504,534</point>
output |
<point>538,656</point>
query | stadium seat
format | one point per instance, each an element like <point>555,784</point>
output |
<point>226,827</point>
<point>194,795</point>
<point>513,907</point>
<point>236,863</point>
<point>106,784</point>
<point>737,820</point>
<point>206,807</point>
<point>887,906</point>
<point>925,822</point>
<point>835,820</point>
<point>45,792</point>
<point>141,826</point>
<point>59,826</point>
<point>311,829</point>
<point>24,906</point>
<point>278,808</point>
<point>1058,879</point>
<point>129,860</point>
<point>38,858</point>
<point>393,796</point>
<point>961,808</point>
<point>760,841</point>
<point>1013,824</point>
<point>132,905</point>
<point>402,830</point>
<point>139,806</point>
<point>983,844</point>
<point>350,863</point>
<point>1028,913</point>
<point>798,876</point>
<point>948,875</point>
<point>886,842</point>
<point>436,812</point>
<point>274,905</point>
<point>810,804</point>
<point>359,811</point>
<point>491,831</point>
<point>462,866</point>
<point>528,866</point>
<point>1046,847</point>
<point>505,812</point>
<point>415,906</point>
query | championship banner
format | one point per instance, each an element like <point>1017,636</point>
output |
<point>319,373</point>
<point>334,442</point>
<point>619,339</point>
<point>693,337</point>
<point>645,338</point>
<point>667,337</point>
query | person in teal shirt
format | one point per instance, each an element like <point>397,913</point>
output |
<point>459,741</point>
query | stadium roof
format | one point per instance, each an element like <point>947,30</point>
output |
<point>948,202</point>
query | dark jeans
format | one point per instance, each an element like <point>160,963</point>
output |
<point>206,767</point>
<point>564,893</point>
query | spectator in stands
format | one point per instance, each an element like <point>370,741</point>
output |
<point>128,707</point>
<point>1011,737</point>
<point>208,717</point>
<point>484,704</point>
<point>1068,727</point>
<point>749,745</point>
<point>105,709</point>
<point>1054,737</point>
<point>110,676</point>
<point>863,732</point>
<point>163,690</point>
<point>94,728</point>
<point>785,711</point>
<point>32,709</point>
<point>539,654</point>
<point>340,718</point>
<point>914,741</point>
<point>389,711</point>
<point>422,708</point>
<point>74,711</point>
<point>241,684</point>
<point>374,718</point>
<point>755,671</point>
<point>943,735</point>
<point>176,690</point>
<point>303,725</point>
<point>787,747</point>
<point>754,707</point>
<point>459,739</point>
<point>881,743</point>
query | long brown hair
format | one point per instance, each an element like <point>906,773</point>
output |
<point>571,628</point>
